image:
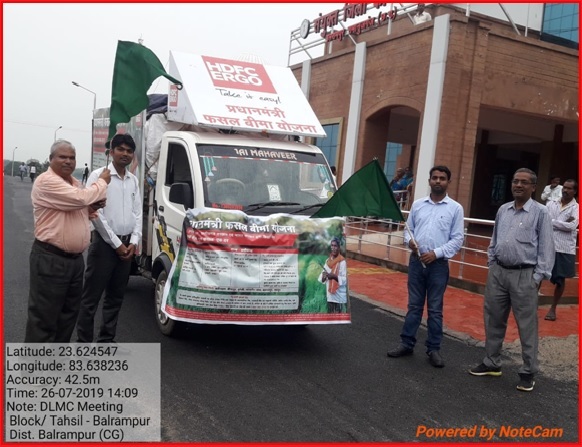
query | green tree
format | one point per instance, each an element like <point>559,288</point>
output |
<point>45,165</point>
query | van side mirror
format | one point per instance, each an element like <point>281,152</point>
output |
<point>182,193</point>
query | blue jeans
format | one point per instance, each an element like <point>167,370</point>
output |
<point>427,284</point>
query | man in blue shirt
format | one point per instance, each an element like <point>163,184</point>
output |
<point>436,235</point>
<point>520,256</point>
<point>398,176</point>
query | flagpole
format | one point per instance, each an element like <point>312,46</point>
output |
<point>413,240</point>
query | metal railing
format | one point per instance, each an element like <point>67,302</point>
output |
<point>402,197</point>
<point>384,239</point>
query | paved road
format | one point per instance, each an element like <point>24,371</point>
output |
<point>323,383</point>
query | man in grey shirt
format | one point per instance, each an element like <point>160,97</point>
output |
<point>520,255</point>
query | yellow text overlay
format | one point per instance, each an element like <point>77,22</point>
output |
<point>489,433</point>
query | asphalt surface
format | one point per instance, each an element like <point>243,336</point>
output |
<point>330,383</point>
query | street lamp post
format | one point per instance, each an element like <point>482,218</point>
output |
<point>13,150</point>
<point>76,84</point>
<point>60,127</point>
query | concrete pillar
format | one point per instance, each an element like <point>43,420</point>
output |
<point>305,83</point>
<point>432,105</point>
<point>355,111</point>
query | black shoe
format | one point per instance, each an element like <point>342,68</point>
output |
<point>484,370</point>
<point>526,382</point>
<point>400,351</point>
<point>435,359</point>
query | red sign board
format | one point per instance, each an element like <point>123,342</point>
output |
<point>226,73</point>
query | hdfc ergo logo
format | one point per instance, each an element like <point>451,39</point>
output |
<point>238,75</point>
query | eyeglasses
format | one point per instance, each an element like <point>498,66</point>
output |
<point>522,182</point>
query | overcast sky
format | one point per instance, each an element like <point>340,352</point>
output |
<point>46,46</point>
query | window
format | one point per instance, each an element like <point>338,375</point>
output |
<point>178,167</point>
<point>498,189</point>
<point>560,24</point>
<point>393,150</point>
<point>248,179</point>
<point>328,145</point>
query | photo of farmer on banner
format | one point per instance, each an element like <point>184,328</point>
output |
<point>240,269</point>
<point>335,277</point>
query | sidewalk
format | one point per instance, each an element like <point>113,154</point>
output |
<point>463,310</point>
<point>376,248</point>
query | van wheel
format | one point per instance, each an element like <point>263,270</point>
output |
<point>166,324</point>
<point>134,269</point>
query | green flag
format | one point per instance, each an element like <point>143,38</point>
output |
<point>366,193</point>
<point>136,67</point>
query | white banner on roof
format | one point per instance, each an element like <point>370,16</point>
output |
<point>239,95</point>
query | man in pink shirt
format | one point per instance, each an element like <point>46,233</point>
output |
<point>62,208</point>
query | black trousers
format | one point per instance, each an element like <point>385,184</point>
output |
<point>334,308</point>
<point>105,273</point>
<point>56,285</point>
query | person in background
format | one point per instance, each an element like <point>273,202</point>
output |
<point>113,244</point>
<point>435,234</point>
<point>394,183</point>
<point>421,15</point>
<point>32,173</point>
<point>335,275</point>
<point>553,191</point>
<point>404,180</point>
<point>564,215</point>
<point>85,174</point>
<point>23,170</point>
<point>520,256</point>
<point>404,184</point>
<point>398,183</point>
<point>408,178</point>
<point>327,189</point>
<point>61,210</point>
<point>409,185</point>
<point>333,174</point>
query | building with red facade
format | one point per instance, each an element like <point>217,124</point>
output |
<point>482,95</point>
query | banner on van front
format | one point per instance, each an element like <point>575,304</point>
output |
<point>239,95</point>
<point>240,269</point>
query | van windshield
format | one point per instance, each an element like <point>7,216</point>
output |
<point>264,181</point>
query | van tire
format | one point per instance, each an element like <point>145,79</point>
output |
<point>166,325</point>
<point>134,269</point>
